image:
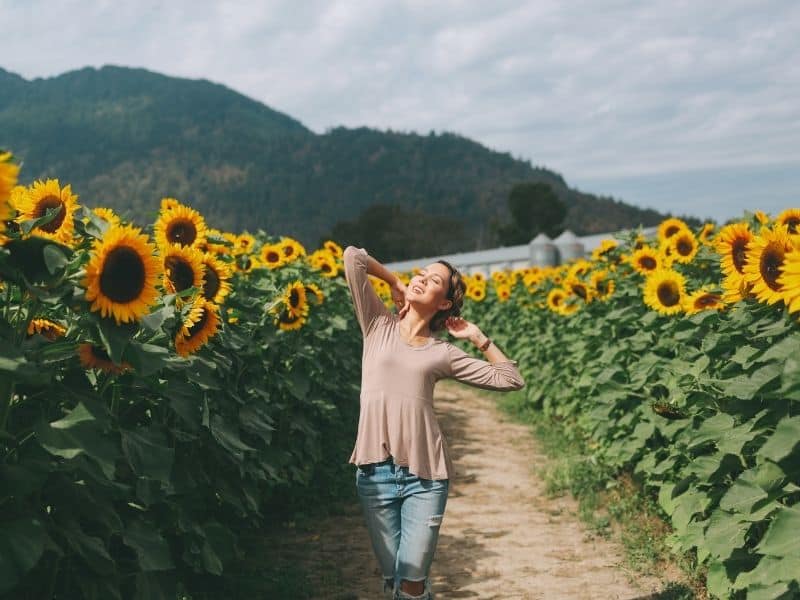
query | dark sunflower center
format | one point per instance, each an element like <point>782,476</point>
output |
<point>739,253</point>
<point>684,247</point>
<point>100,354</point>
<point>46,204</point>
<point>326,267</point>
<point>602,287</point>
<point>671,230</point>
<point>792,223</point>
<point>294,298</point>
<point>198,326</point>
<point>771,262</point>
<point>286,317</point>
<point>123,276</point>
<point>272,256</point>
<point>557,300</point>
<point>288,250</point>
<point>181,231</point>
<point>647,262</point>
<point>706,300</point>
<point>579,291</point>
<point>180,272</point>
<point>247,263</point>
<point>212,284</point>
<point>668,293</point>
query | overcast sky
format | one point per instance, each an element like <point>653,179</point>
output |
<point>690,107</point>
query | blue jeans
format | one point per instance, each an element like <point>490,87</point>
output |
<point>403,513</point>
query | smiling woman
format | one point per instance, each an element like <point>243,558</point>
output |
<point>404,469</point>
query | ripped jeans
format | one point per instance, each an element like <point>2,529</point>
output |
<point>403,513</point>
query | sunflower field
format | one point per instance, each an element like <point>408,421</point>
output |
<point>164,390</point>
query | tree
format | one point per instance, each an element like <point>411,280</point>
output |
<point>534,208</point>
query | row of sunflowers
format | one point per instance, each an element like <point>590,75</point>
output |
<point>674,359</point>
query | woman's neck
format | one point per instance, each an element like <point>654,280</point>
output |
<point>414,325</point>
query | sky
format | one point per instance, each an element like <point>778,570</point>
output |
<point>687,107</point>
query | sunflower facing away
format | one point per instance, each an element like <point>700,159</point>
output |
<point>198,327</point>
<point>122,274</point>
<point>765,257</point>
<point>180,225</point>
<point>95,357</point>
<point>706,234</point>
<point>44,196</point>
<point>108,215</point>
<point>603,249</point>
<point>702,300</point>
<point>315,293</point>
<point>664,291</point>
<point>46,328</point>
<point>602,287</point>
<point>217,280</point>
<point>183,268</point>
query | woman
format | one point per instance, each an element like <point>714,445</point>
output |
<point>403,470</point>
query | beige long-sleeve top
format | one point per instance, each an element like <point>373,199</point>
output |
<point>397,381</point>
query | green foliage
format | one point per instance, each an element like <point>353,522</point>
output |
<point>127,137</point>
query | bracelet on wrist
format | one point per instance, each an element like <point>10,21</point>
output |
<point>486,345</point>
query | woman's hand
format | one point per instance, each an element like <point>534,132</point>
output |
<point>461,328</point>
<point>399,294</point>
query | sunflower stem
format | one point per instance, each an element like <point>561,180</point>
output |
<point>6,394</point>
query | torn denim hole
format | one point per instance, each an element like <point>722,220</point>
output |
<point>435,520</point>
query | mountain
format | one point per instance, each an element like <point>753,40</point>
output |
<point>125,138</point>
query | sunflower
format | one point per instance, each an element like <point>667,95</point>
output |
<point>95,357</point>
<point>664,291</point>
<point>272,256</point>
<point>170,203</point>
<point>478,276</point>
<point>765,258</point>
<point>477,292</point>
<point>180,225</point>
<point>602,287</point>
<point>670,227</point>
<point>603,249</point>
<point>646,260</point>
<point>295,298</point>
<point>121,274</point>
<point>568,308</point>
<point>108,215</point>
<point>244,243</point>
<point>198,327</point>
<point>292,249</point>
<point>43,196</point>
<point>215,242</point>
<point>555,299</point>
<point>46,328</point>
<point>683,246</point>
<point>791,219</point>
<point>328,266</point>
<point>577,288</point>
<point>287,321</point>
<point>246,262</point>
<point>333,248</point>
<point>705,236</point>
<point>503,291</point>
<point>499,277</point>
<point>732,243</point>
<point>761,217</point>
<point>578,269</point>
<point>183,268</point>
<point>790,279</point>
<point>8,181</point>
<point>313,290</point>
<point>702,300</point>
<point>218,274</point>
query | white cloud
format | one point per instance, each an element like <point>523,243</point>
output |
<point>598,91</point>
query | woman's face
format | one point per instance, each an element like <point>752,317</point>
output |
<point>430,285</point>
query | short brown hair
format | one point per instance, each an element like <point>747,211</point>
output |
<point>455,293</point>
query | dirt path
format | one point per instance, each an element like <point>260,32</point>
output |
<point>501,537</point>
